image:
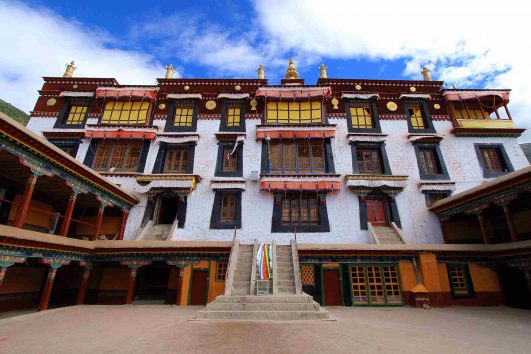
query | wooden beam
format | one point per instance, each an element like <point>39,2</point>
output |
<point>26,200</point>
<point>125,215</point>
<point>83,286</point>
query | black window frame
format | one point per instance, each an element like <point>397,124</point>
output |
<point>172,106</point>
<point>502,155</point>
<point>239,160</point>
<point>215,218</point>
<point>429,194</point>
<point>71,143</point>
<point>160,160</point>
<point>65,110</point>
<point>374,114</point>
<point>442,171</point>
<point>223,123</point>
<point>278,227</point>
<point>355,145</point>
<point>428,123</point>
<point>145,146</point>
<point>468,279</point>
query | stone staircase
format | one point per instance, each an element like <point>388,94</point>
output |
<point>157,232</point>
<point>286,303</point>
<point>387,235</point>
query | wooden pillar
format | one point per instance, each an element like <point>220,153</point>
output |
<point>45,297</point>
<point>125,215</point>
<point>3,271</point>
<point>509,221</point>
<point>180,286</point>
<point>99,218</point>
<point>483,227</point>
<point>68,215</point>
<point>131,285</point>
<point>26,199</point>
<point>83,286</point>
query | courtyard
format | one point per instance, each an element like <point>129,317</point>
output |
<point>165,329</point>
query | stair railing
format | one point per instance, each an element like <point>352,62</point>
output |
<point>296,267</point>
<point>372,233</point>
<point>398,231</point>
<point>275,266</point>
<point>144,230</point>
<point>231,266</point>
<point>253,268</point>
<point>173,230</point>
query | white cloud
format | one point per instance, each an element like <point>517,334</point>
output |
<point>37,42</point>
<point>464,42</point>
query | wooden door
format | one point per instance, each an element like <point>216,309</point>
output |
<point>198,293</point>
<point>376,212</point>
<point>331,287</point>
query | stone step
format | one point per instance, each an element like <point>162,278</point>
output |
<point>285,270</point>
<point>289,298</point>
<point>284,264</point>
<point>241,277</point>
<point>285,276</point>
<point>286,289</point>
<point>268,306</point>
<point>287,283</point>
<point>263,315</point>
<point>240,291</point>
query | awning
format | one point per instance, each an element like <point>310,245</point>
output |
<point>234,96</point>
<point>301,183</point>
<point>425,137</point>
<point>415,96</point>
<point>178,139</point>
<point>227,183</point>
<point>295,132</point>
<point>171,184</point>
<point>293,92</point>
<point>76,94</point>
<point>127,92</point>
<point>184,183</point>
<point>119,134</point>
<point>360,96</point>
<point>363,185</point>
<point>370,138</point>
<point>184,96</point>
<point>469,95</point>
<point>447,186</point>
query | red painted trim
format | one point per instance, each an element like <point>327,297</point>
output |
<point>68,215</point>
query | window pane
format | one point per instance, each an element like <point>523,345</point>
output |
<point>122,155</point>
<point>369,160</point>
<point>318,159</point>
<point>428,161</point>
<point>491,159</point>
<point>233,115</point>
<point>184,113</point>
<point>125,112</point>
<point>176,161</point>
<point>229,159</point>
<point>361,116</point>
<point>304,156</point>
<point>297,156</point>
<point>275,157</point>
<point>300,209</point>
<point>228,208</point>
<point>290,156</point>
<point>415,114</point>
<point>294,112</point>
<point>76,115</point>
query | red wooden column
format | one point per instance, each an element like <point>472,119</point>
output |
<point>6,262</point>
<point>83,286</point>
<point>45,297</point>
<point>509,221</point>
<point>3,271</point>
<point>131,285</point>
<point>483,227</point>
<point>26,199</point>
<point>68,215</point>
<point>180,286</point>
<point>99,218</point>
<point>125,215</point>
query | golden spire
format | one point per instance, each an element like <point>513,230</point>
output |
<point>169,71</point>
<point>426,74</point>
<point>70,69</point>
<point>261,72</point>
<point>292,72</point>
<point>322,72</point>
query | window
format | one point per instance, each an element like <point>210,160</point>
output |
<point>297,156</point>
<point>76,115</point>
<point>369,160</point>
<point>375,285</point>
<point>307,274</point>
<point>121,112</point>
<point>221,271</point>
<point>70,146</point>
<point>123,155</point>
<point>176,161</point>
<point>233,115</point>
<point>226,211</point>
<point>416,116</point>
<point>230,159</point>
<point>428,161</point>
<point>184,115</point>
<point>300,209</point>
<point>493,160</point>
<point>294,112</point>
<point>471,110</point>
<point>361,116</point>
<point>434,196</point>
<point>460,281</point>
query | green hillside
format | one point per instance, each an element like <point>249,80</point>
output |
<point>14,112</point>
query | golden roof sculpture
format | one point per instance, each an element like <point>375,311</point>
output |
<point>291,72</point>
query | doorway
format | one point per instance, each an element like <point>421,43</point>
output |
<point>376,212</point>
<point>167,210</point>
<point>332,287</point>
<point>199,287</point>
<point>515,288</point>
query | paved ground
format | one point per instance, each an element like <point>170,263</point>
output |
<point>165,329</point>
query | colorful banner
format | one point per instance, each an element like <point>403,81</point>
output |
<point>263,261</point>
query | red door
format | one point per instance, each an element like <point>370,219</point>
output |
<point>376,212</point>
<point>198,292</point>
<point>331,287</point>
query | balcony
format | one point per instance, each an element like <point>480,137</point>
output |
<point>363,184</point>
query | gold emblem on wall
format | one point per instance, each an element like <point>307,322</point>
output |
<point>437,106</point>
<point>334,103</point>
<point>392,106</point>
<point>51,102</point>
<point>186,88</point>
<point>253,104</point>
<point>237,87</point>
<point>358,87</point>
<point>162,106</point>
<point>210,105</point>
<point>412,89</point>
<point>75,86</point>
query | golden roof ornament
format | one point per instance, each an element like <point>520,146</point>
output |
<point>70,69</point>
<point>291,72</point>
<point>261,72</point>
<point>322,72</point>
<point>169,71</point>
<point>426,74</point>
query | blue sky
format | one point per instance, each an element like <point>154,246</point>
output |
<point>134,40</point>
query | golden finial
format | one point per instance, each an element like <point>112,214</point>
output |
<point>292,72</point>
<point>322,72</point>
<point>426,74</point>
<point>261,72</point>
<point>70,69</point>
<point>169,71</point>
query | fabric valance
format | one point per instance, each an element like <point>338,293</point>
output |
<point>294,92</point>
<point>469,95</point>
<point>360,96</point>
<point>415,96</point>
<point>234,96</point>
<point>127,92</point>
<point>184,96</point>
<point>119,134</point>
<point>76,94</point>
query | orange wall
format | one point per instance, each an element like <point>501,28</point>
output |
<point>407,275</point>
<point>483,278</point>
<point>34,217</point>
<point>115,278</point>
<point>110,225</point>
<point>215,288</point>
<point>430,273</point>
<point>23,280</point>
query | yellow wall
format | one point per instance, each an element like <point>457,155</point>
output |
<point>215,288</point>
<point>185,285</point>
<point>443,276</point>
<point>407,275</point>
<point>483,278</point>
<point>110,225</point>
<point>430,272</point>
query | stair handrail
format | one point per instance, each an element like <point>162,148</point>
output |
<point>231,266</point>
<point>253,268</point>
<point>372,232</point>
<point>173,229</point>
<point>398,231</point>
<point>275,266</point>
<point>144,230</point>
<point>296,267</point>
